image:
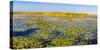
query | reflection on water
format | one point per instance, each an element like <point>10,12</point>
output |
<point>26,32</point>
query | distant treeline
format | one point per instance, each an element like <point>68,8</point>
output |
<point>52,14</point>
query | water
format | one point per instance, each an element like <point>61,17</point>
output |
<point>21,29</point>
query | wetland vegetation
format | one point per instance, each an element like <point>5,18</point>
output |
<point>52,29</point>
